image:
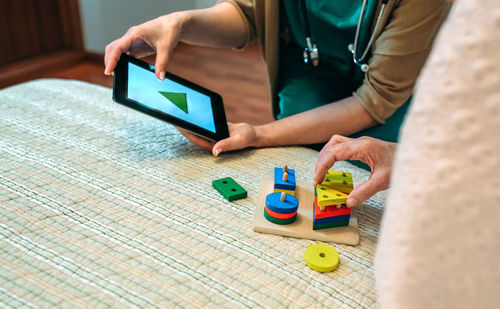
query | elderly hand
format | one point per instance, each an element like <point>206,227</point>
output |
<point>241,135</point>
<point>375,153</point>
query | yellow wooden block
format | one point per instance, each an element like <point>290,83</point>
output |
<point>329,197</point>
<point>291,192</point>
<point>338,180</point>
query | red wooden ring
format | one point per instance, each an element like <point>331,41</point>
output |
<point>279,216</point>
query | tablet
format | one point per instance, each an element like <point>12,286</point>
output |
<point>174,99</point>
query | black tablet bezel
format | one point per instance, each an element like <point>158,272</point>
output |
<point>120,95</point>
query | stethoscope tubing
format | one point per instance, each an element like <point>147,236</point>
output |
<point>354,47</point>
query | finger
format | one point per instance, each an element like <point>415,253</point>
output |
<point>228,144</point>
<point>336,139</point>
<point>366,190</point>
<point>107,68</point>
<point>162,56</point>
<point>115,53</point>
<point>198,141</point>
<point>349,150</point>
<point>107,52</point>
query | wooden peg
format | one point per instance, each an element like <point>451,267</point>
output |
<point>285,169</point>
<point>285,176</point>
<point>283,196</point>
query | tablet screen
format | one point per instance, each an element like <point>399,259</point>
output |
<point>169,97</point>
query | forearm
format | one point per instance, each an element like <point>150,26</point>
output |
<point>218,26</point>
<point>344,117</point>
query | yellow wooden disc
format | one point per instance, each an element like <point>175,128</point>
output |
<point>321,257</point>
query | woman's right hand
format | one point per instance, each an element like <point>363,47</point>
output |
<point>377,154</point>
<point>159,36</point>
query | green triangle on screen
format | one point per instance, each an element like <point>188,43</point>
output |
<point>179,99</point>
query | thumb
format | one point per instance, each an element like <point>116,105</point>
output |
<point>364,191</point>
<point>226,144</point>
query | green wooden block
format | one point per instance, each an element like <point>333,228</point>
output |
<point>330,225</point>
<point>229,189</point>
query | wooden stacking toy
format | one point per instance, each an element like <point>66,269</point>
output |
<point>281,205</point>
<point>329,201</point>
<point>284,180</point>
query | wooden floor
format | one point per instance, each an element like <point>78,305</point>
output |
<point>239,77</point>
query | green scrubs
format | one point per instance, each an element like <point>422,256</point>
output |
<point>301,86</point>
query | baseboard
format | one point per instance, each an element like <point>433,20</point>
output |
<point>93,57</point>
<point>37,66</point>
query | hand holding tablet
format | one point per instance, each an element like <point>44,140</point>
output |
<point>174,99</point>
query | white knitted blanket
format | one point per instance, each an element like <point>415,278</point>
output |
<point>102,206</point>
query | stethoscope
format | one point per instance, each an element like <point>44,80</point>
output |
<point>311,51</point>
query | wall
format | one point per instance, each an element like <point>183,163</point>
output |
<point>105,20</point>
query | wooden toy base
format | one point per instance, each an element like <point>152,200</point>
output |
<point>303,226</point>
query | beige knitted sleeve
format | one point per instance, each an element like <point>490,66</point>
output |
<point>440,241</point>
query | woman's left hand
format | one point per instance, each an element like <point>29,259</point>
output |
<point>241,135</point>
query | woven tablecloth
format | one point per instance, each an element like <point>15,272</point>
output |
<point>102,206</point>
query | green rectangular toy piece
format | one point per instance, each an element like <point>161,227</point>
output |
<point>229,189</point>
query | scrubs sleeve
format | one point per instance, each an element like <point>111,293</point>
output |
<point>246,10</point>
<point>398,55</point>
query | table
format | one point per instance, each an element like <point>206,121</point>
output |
<point>102,206</point>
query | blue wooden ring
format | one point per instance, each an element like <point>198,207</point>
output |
<point>273,203</point>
